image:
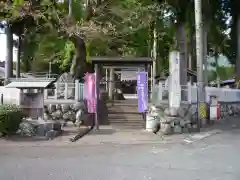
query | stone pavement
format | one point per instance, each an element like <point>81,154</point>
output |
<point>215,158</point>
<point>108,135</point>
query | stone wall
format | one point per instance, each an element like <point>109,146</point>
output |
<point>184,119</point>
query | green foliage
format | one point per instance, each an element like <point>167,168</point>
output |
<point>111,28</point>
<point>10,119</point>
<point>67,55</point>
<point>223,73</point>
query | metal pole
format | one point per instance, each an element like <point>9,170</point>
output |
<point>200,57</point>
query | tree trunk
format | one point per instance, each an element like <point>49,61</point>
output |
<point>79,65</point>
<point>182,47</point>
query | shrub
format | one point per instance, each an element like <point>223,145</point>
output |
<point>10,119</point>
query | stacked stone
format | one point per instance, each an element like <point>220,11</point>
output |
<point>181,120</point>
<point>229,110</point>
<point>65,112</point>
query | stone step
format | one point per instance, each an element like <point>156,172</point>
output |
<point>125,120</point>
<point>121,126</point>
<point>126,102</point>
<point>135,106</point>
<point>125,109</point>
<point>124,114</point>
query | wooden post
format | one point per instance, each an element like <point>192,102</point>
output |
<point>45,93</point>
<point>76,90</point>
<point>97,86</point>
<point>56,90</point>
<point>66,91</point>
<point>189,91</point>
<point>111,84</point>
<point>106,79</point>
<point>160,91</point>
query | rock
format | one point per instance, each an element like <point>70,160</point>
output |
<point>193,110</point>
<point>79,116</point>
<point>51,108</point>
<point>27,129</point>
<point>173,121</point>
<point>181,112</point>
<point>57,126</point>
<point>166,129</point>
<point>162,117</point>
<point>65,108</point>
<point>58,107</point>
<point>173,112</point>
<point>167,112</point>
<point>194,128</point>
<point>57,115</point>
<point>69,116</point>
<point>118,94</point>
<point>50,135</point>
<point>46,116</point>
<point>183,122</point>
<point>185,130</point>
<point>77,106</point>
<point>189,126</point>
<point>156,128</point>
<point>177,129</point>
<point>44,128</point>
<point>172,124</point>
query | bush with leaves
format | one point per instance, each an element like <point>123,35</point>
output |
<point>10,119</point>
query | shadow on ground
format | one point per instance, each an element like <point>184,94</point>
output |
<point>102,132</point>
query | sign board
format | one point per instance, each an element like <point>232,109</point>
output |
<point>142,91</point>
<point>130,74</point>
<point>90,92</point>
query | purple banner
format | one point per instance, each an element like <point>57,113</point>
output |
<point>142,91</point>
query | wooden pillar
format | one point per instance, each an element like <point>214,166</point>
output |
<point>97,86</point>
<point>111,83</point>
<point>18,58</point>
<point>106,78</point>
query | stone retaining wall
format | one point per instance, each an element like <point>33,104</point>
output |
<point>184,119</point>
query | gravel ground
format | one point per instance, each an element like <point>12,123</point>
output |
<point>213,158</point>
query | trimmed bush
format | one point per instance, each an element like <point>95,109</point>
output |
<point>10,119</point>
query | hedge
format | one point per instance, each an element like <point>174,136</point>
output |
<point>10,119</point>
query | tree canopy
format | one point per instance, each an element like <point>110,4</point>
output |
<point>50,32</point>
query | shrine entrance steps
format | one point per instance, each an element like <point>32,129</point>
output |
<point>123,114</point>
